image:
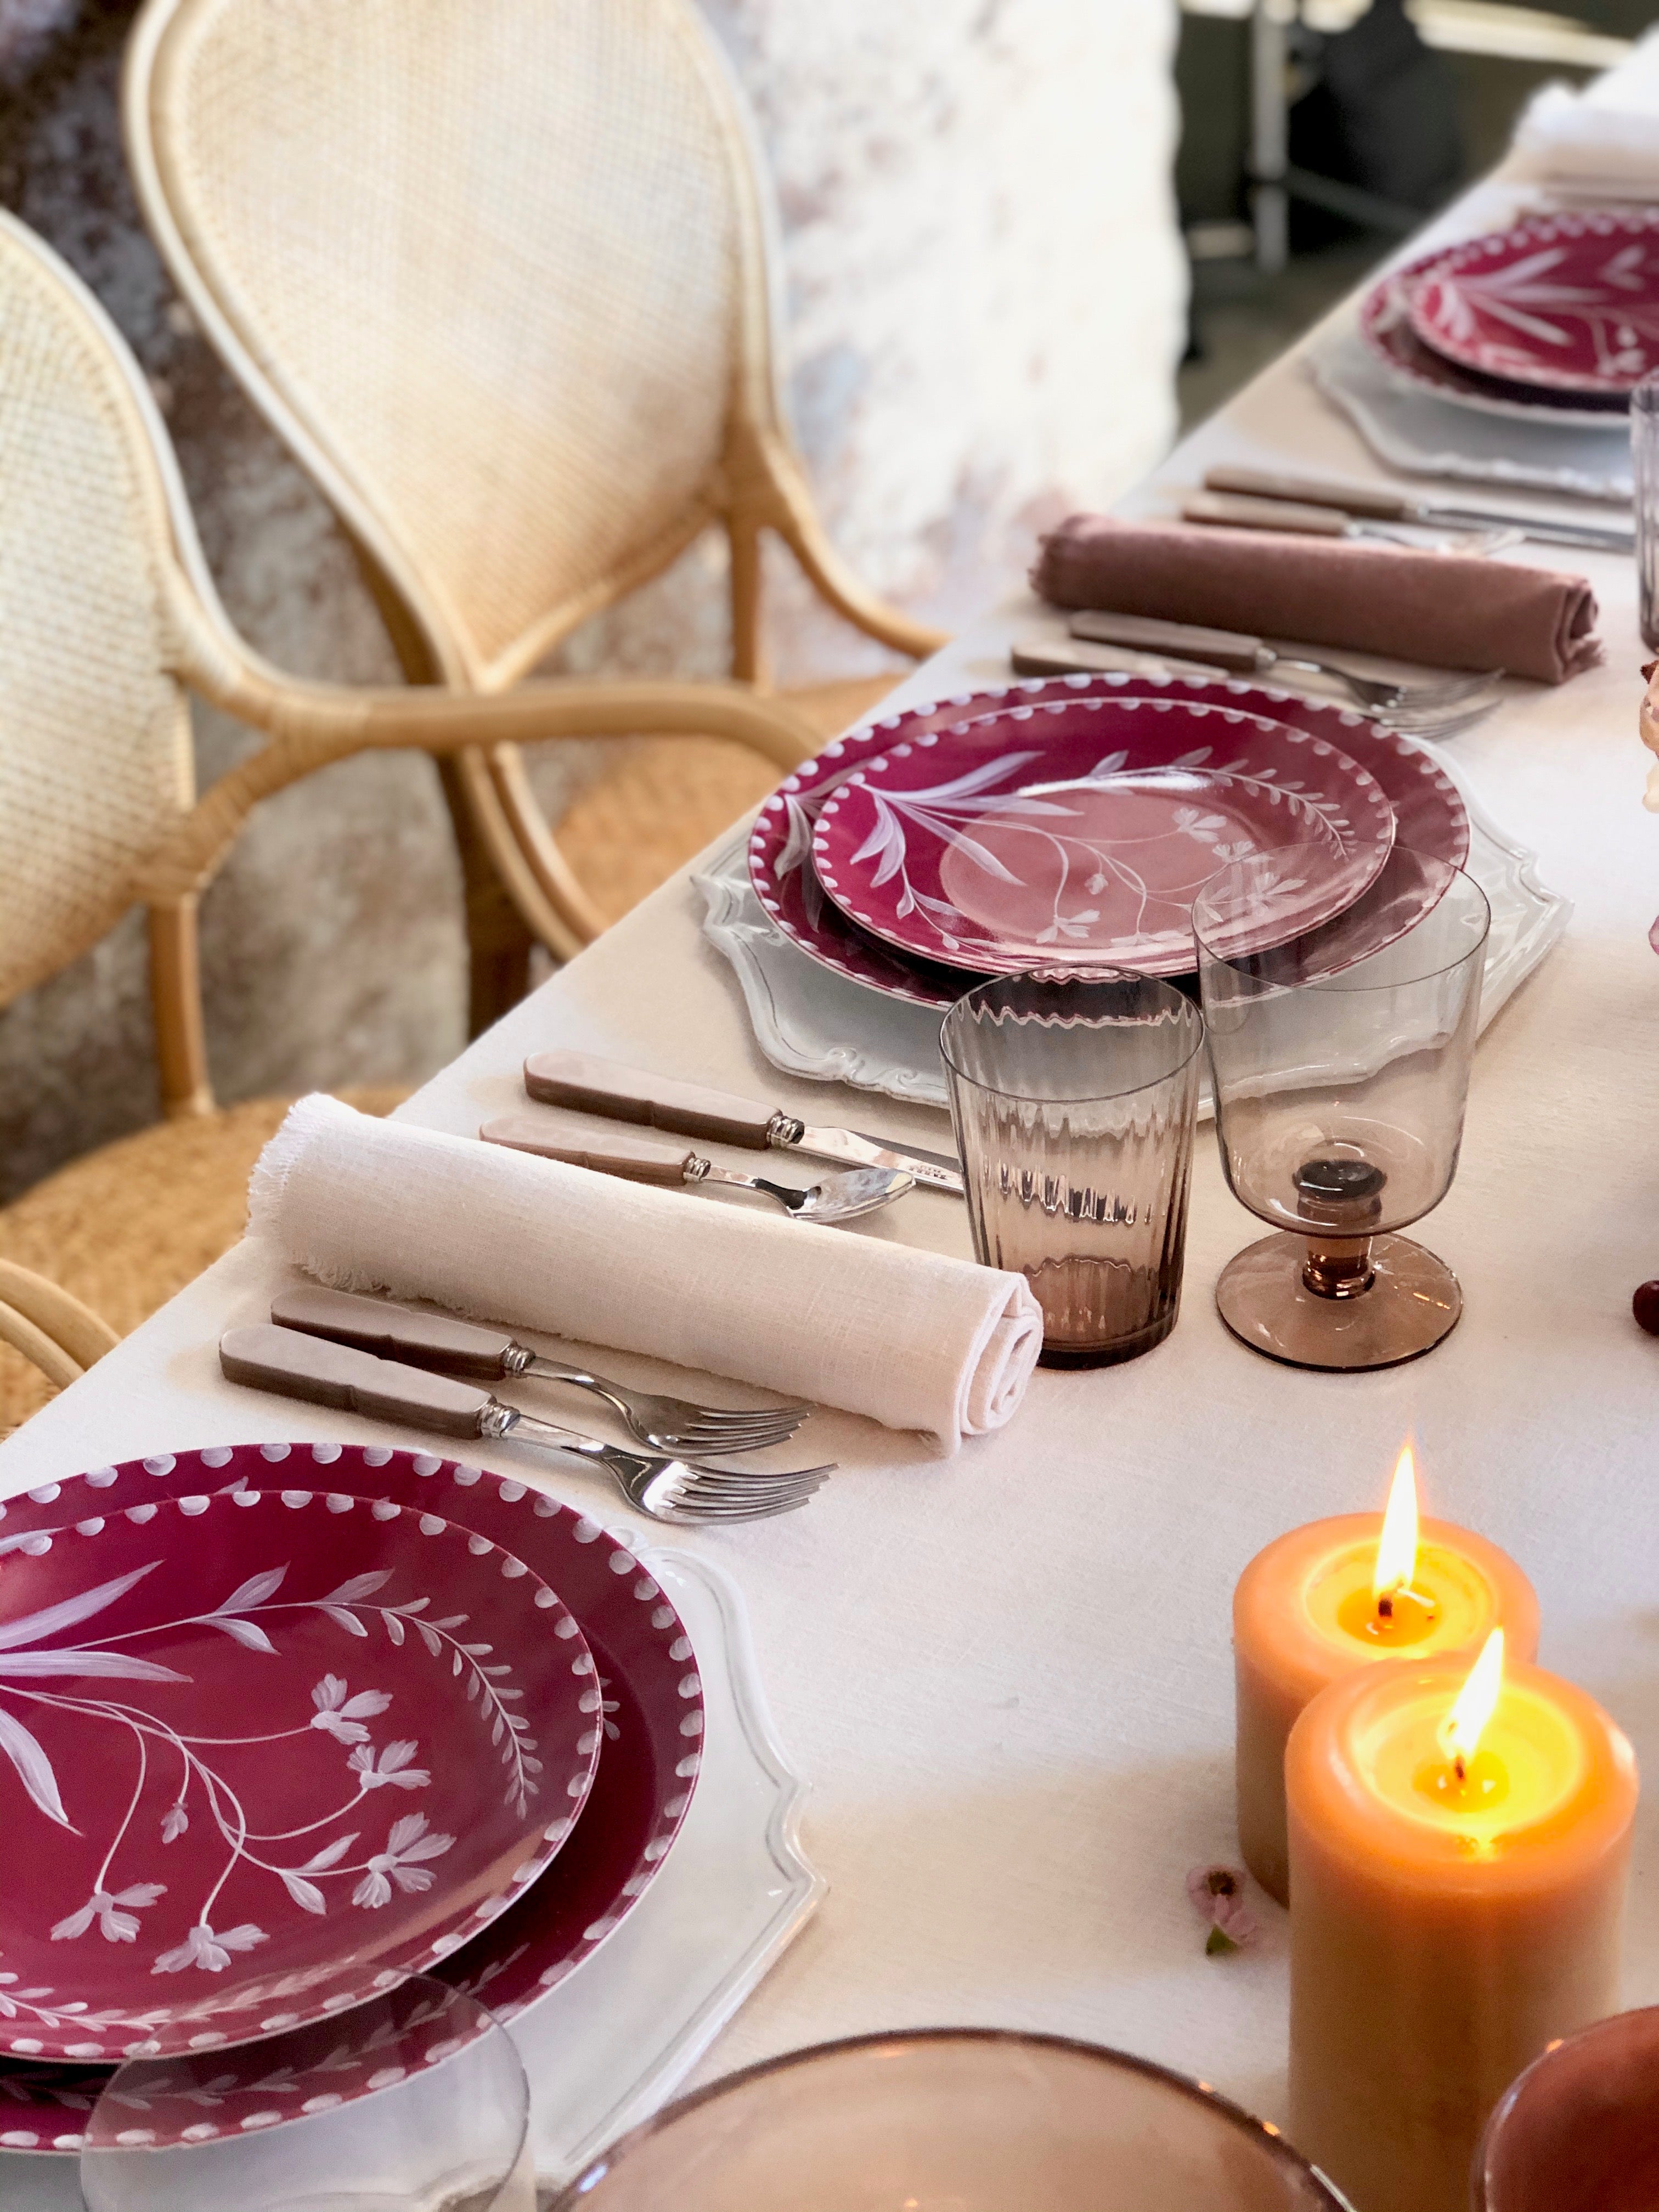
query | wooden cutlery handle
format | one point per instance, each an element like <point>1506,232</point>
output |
<point>1227,507</point>
<point>1222,649</point>
<point>624,1094</point>
<point>296,1366</point>
<point>1042,657</point>
<point>555,1137</point>
<point>394,1331</point>
<point>1379,500</point>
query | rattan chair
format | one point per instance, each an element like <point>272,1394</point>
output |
<point>108,618</point>
<point>497,271</point>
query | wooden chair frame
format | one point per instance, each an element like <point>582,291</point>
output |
<point>761,485</point>
<point>310,725</point>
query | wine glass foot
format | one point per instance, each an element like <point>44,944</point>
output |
<point>1413,1302</point>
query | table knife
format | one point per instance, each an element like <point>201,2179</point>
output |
<point>1385,503</point>
<point>1301,519</point>
<point>620,1093</point>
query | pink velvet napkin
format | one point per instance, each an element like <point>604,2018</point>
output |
<point>1443,610</point>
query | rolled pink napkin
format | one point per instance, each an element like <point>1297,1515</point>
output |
<point>912,1339</point>
<point>1445,609</point>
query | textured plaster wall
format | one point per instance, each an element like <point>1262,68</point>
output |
<point>982,290</point>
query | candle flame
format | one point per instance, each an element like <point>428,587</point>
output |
<point>1396,1553</point>
<point>1461,1730</point>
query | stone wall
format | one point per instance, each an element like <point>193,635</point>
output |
<point>983,294</point>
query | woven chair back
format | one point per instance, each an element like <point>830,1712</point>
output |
<point>94,734</point>
<point>494,268</point>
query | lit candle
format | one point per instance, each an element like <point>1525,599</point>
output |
<point>1341,1594</point>
<point>1459,1841</point>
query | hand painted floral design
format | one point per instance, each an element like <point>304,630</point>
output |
<point>1569,301</point>
<point>408,1844</point>
<point>219,1778</point>
<point>1049,850</point>
<point>115,1923</point>
<point>341,1715</point>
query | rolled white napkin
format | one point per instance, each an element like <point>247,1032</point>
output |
<point>1603,139</point>
<point>911,1338</point>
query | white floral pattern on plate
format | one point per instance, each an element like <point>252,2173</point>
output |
<point>1570,303</point>
<point>1386,331</point>
<point>956,845</point>
<point>199,1822</point>
<point>1429,813</point>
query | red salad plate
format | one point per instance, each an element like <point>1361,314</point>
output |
<point>1566,303</point>
<point>1079,832</point>
<point>1430,816</point>
<point>645,1695</point>
<point>262,1755</point>
<point>1385,325</point>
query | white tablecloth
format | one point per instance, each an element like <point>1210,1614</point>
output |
<point>1008,1676</point>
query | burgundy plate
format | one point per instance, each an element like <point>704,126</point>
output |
<point>950,843</point>
<point>1385,325</point>
<point>1428,812</point>
<point>647,1690</point>
<point>174,1880</point>
<point>1566,303</point>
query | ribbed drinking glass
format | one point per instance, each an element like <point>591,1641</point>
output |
<point>1340,1058</point>
<point>1074,1100</point>
<point>1644,461</point>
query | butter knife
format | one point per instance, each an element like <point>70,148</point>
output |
<point>1384,503</point>
<point>620,1093</point>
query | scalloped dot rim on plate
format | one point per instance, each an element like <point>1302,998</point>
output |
<point>172,1882</point>
<point>1565,302</point>
<point>949,845</point>
<point>644,1788</point>
<point>1430,814</point>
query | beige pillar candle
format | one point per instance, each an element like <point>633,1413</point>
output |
<point>1459,1891</point>
<point>1340,1594</point>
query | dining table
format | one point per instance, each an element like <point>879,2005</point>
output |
<point>1002,1680</point>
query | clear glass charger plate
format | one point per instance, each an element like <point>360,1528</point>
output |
<point>811,1023</point>
<point>616,2038</point>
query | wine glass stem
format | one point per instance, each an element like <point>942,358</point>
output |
<point>1338,1267</point>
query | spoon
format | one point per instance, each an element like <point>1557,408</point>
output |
<point>840,1196</point>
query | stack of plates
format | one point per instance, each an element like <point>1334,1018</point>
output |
<point>266,1750</point>
<point>1070,825</point>
<point>1551,323</point>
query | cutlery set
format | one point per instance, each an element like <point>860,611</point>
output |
<point>429,1371</point>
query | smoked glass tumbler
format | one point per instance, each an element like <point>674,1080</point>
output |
<point>1340,1058</point>
<point>415,2102</point>
<point>1074,1099</point>
<point>952,2120</point>
<point>1645,465</point>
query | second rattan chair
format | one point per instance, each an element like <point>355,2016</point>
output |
<point>498,272</point>
<point>108,619</point>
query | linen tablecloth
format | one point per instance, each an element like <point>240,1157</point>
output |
<point>1008,1676</point>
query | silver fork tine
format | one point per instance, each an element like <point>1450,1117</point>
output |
<point>699,1480</point>
<point>743,1500</point>
<point>704,1511</point>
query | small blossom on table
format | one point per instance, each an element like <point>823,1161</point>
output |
<point>1217,1895</point>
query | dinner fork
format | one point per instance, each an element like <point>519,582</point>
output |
<point>293,1365</point>
<point>662,1423</point>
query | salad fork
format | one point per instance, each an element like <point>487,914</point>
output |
<point>293,1365</point>
<point>662,1423</point>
